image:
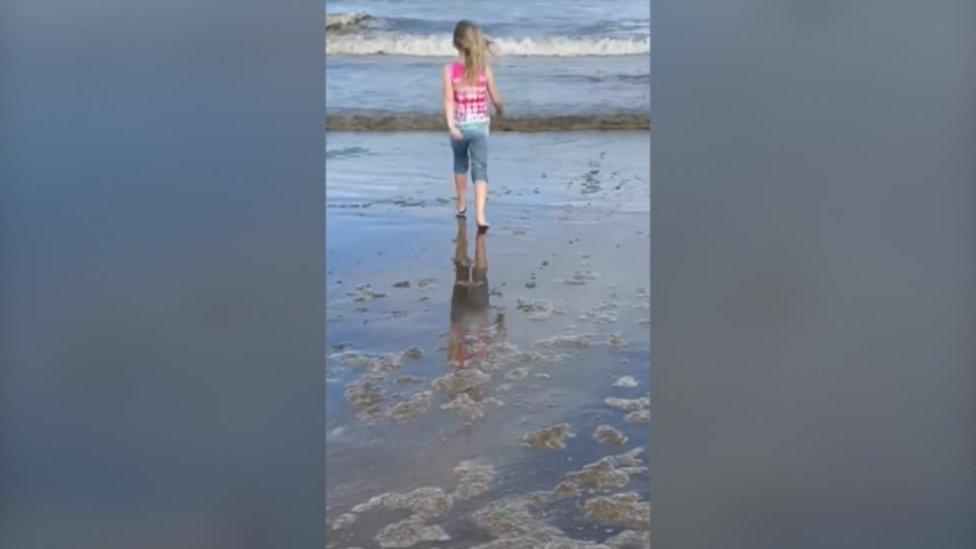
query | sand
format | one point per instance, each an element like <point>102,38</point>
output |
<point>491,417</point>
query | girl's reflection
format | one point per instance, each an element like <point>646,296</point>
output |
<point>471,335</point>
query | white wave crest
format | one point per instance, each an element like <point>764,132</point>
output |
<point>440,46</point>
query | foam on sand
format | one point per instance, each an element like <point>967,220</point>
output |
<point>548,438</point>
<point>625,509</point>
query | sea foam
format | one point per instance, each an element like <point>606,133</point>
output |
<point>440,46</point>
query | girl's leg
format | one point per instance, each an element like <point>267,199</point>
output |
<point>479,174</point>
<point>461,189</point>
<point>480,197</point>
<point>460,148</point>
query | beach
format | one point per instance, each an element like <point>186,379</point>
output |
<point>567,282</point>
<point>488,389</point>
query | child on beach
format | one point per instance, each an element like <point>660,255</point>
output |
<point>468,84</point>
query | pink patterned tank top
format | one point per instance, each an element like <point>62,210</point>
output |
<point>470,100</point>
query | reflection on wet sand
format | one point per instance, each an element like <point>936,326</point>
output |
<point>472,336</point>
<point>470,302</point>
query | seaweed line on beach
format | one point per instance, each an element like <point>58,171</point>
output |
<point>420,122</point>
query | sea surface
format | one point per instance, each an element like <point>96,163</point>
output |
<point>571,58</point>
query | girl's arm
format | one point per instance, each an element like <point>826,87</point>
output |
<point>496,97</point>
<point>449,104</point>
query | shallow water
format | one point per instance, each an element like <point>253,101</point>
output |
<point>560,314</point>
<point>530,86</point>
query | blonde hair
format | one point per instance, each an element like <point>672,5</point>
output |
<point>470,40</point>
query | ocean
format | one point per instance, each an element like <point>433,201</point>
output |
<point>579,58</point>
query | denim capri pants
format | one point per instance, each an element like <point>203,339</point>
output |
<point>472,149</point>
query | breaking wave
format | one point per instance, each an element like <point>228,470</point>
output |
<point>440,45</point>
<point>351,21</point>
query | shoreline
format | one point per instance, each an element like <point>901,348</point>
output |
<point>524,124</point>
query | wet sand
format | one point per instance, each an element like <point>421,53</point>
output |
<point>473,382</point>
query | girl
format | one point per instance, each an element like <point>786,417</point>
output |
<point>468,84</point>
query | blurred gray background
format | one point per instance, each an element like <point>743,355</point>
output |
<point>161,326</point>
<point>813,281</point>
